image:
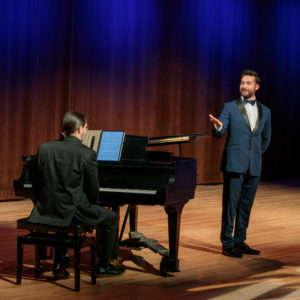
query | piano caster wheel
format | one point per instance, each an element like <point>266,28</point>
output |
<point>164,266</point>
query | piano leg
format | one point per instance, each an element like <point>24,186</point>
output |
<point>174,217</point>
<point>132,211</point>
<point>133,216</point>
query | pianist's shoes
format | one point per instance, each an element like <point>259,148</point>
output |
<point>61,262</point>
<point>110,270</point>
<point>61,273</point>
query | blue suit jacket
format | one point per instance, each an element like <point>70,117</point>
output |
<point>244,149</point>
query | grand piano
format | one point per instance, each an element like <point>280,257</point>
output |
<point>140,177</point>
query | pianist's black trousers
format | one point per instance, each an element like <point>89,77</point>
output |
<point>108,244</point>
<point>238,195</point>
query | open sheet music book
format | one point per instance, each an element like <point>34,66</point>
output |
<point>92,139</point>
<point>110,146</point>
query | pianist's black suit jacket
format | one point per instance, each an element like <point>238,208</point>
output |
<point>67,184</point>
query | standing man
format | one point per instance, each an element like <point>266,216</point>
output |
<point>67,190</point>
<point>249,133</point>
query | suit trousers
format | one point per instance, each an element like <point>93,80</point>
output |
<point>108,243</point>
<point>109,239</point>
<point>238,195</point>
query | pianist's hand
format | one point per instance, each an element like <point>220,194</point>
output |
<point>215,121</point>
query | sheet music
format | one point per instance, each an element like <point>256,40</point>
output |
<point>110,145</point>
<point>92,138</point>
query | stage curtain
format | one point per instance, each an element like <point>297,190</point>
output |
<point>148,67</point>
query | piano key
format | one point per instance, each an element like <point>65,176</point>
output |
<point>130,191</point>
<point>27,185</point>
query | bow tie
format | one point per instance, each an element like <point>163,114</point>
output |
<point>252,102</point>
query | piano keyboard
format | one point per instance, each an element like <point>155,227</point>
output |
<point>130,191</point>
<point>111,190</point>
<point>27,185</point>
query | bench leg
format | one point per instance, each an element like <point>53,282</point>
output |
<point>37,266</point>
<point>19,260</point>
<point>77,265</point>
<point>93,263</point>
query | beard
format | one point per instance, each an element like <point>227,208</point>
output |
<point>246,94</point>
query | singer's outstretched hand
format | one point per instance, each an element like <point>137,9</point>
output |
<point>215,121</point>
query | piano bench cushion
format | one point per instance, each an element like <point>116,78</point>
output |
<point>73,228</point>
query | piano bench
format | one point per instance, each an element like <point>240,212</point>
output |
<point>71,237</point>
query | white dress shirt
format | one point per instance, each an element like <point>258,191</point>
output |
<point>252,113</point>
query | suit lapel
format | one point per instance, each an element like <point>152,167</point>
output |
<point>259,107</point>
<point>242,109</point>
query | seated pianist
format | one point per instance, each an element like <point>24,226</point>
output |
<point>67,189</point>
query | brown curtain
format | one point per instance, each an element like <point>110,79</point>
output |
<point>148,67</point>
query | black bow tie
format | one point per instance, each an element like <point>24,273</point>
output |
<point>252,102</point>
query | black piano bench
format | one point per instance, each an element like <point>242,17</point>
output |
<point>72,237</point>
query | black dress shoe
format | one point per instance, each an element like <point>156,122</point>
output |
<point>232,252</point>
<point>110,270</point>
<point>61,273</point>
<point>60,264</point>
<point>244,248</point>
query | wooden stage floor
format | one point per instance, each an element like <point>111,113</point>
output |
<point>205,273</point>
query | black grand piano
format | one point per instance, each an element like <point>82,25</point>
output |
<point>140,177</point>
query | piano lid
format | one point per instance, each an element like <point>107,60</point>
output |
<point>173,139</point>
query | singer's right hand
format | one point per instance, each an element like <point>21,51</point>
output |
<point>215,121</point>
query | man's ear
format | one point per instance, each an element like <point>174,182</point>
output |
<point>257,87</point>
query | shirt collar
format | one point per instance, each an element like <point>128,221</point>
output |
<point>242,97</point>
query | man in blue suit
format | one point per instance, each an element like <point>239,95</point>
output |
<point>249,133</point>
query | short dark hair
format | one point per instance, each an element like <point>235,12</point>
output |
<point>71,122</point>
<point>251,73</point>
